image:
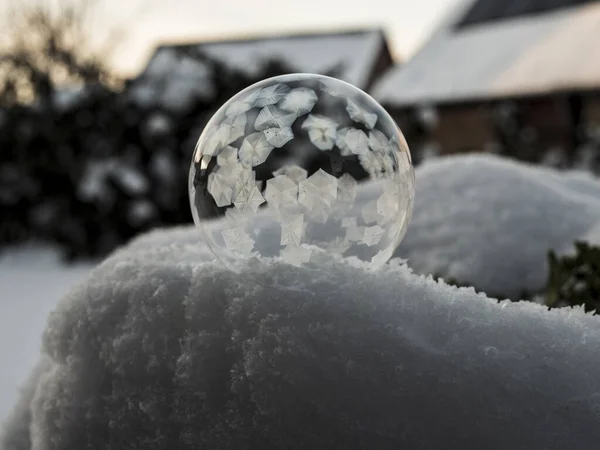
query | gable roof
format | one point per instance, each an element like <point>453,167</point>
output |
<point>355,52</point>
<point>532,54</point>
<point>492,10</point>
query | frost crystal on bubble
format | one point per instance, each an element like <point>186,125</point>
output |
<point>220,188</point>
<point>349,222</point>
<point>248,200</point>
<point>218,139</point>
<point>347,187</point>
<point>372,164</point>
<point>294,172</point>
<point>378,165</point>
<point>233,215</point>
<point>238,239</point>
<point>326,87</point>
<point>300,101</point>
<point>281,191</point>
<point>236,127</point>
<point>252,96</point>
<point>255,150</point>
<point>373,235</point>
<point>296,255</point>
<point>322,138</point>
<point>278,137</point>
<point>317,206</point>
<point>292,229</point>
<point>354,233</point>
<point>387,163</point>
<point>319,184</point>
<point>370,213</point>
<point>319,211</point>
<point>317,194</point>
<point>359,114</point>
<point>227,156</point>
<point>352,141</point>
<point>273,117</point>
<point>237,108</point>
<point>387,205</point>
<point>321,131</point>
<point>229,131</point>
<point>379,142</point>
<point>325,182</point>
<point>338,245</point>
<point>271,95</point>
<point>241,179</point>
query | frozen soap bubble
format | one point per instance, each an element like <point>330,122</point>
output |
<point>302,167</point>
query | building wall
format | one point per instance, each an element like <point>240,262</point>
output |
<point>551,120</point>
<point>543,124</point>
<point>465,128</point>
<point>591,110</point>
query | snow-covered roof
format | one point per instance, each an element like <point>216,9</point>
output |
<point>354,51</point>
<point>531,54</point>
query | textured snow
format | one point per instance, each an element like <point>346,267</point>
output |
<point>490,222</point>
<point>162,348</point>
<point>499,59</point>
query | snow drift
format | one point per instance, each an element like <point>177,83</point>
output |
<point>162,348</point>
<point>489,222</point>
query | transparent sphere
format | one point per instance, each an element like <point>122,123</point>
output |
<point>302,167</point>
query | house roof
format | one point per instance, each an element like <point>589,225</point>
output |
<point>491,10</point>
<point>354,52</point>
<point>531,54</point>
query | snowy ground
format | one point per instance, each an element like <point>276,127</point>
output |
<point>32,280</point>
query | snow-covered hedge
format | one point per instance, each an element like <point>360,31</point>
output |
<point>162,348</point>
<point>93,168</point>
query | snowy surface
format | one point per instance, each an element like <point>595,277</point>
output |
<point>489,222</point>
<point>355,52</point>
<point>163,348</point>
<point>499,59</point>
<point>32,280</point>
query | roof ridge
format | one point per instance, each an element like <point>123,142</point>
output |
<point>249,38</point>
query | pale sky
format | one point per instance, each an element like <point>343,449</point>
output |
<point>149,22</point>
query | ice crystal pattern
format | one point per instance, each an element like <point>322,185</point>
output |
<point>299,165</point>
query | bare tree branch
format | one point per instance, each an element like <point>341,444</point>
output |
<point>48,43</point>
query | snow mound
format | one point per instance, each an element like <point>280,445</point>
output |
<point>32,280</point>
<point>162,348</point>
<point>489,221</point>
